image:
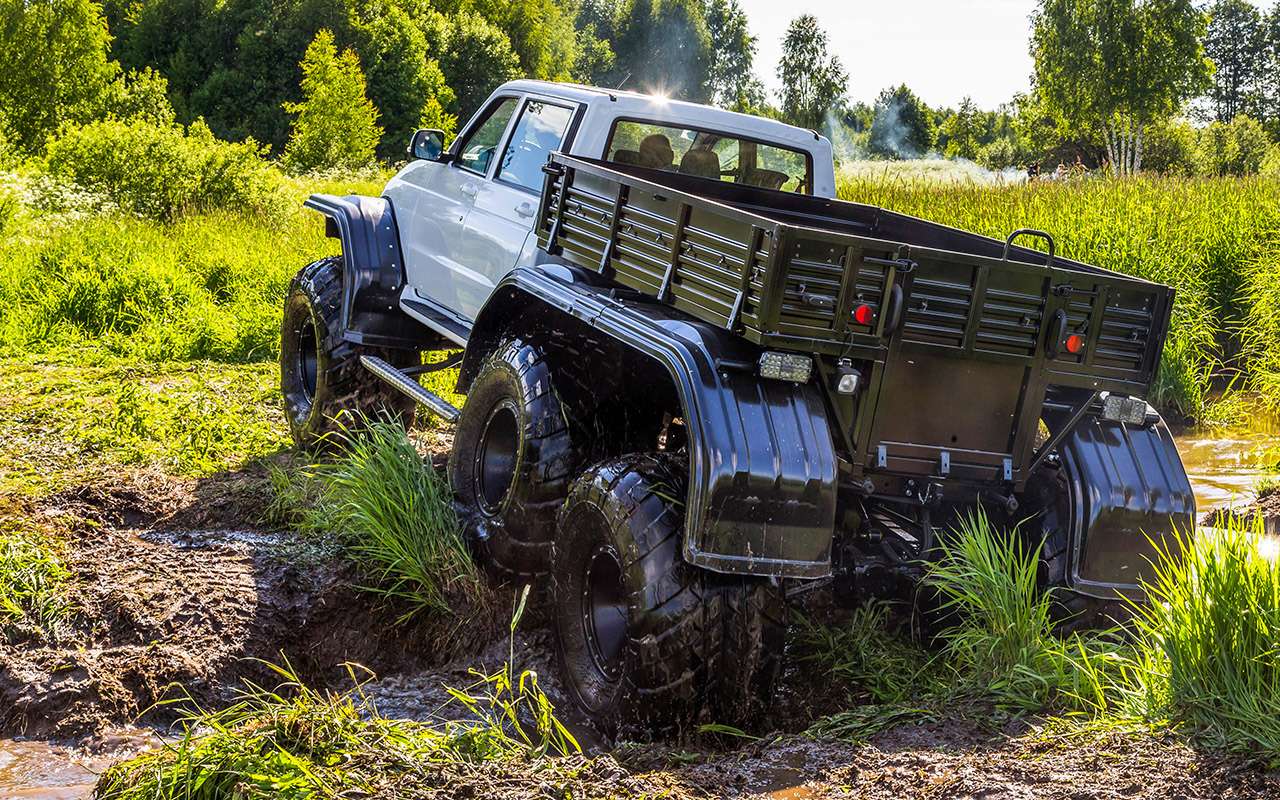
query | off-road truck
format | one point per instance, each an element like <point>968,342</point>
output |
<point>694,379</point>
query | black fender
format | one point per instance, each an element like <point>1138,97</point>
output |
<point>373,271</point>
<point>1129,496</point>
<point>762,465</point>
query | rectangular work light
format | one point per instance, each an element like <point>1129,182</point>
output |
<point>1119,408</point>
<point>785,366</point>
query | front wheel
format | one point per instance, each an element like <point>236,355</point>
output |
<point>324,385</point>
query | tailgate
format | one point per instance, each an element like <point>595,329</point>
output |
<point>981,342</point>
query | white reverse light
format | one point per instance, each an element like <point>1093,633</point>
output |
<point>785,367</point>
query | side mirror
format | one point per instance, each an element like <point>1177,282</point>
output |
<point>427,144</point>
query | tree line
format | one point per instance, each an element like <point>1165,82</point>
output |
<point>1165,84</point>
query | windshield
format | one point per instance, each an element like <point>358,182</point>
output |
<point>709,154</point>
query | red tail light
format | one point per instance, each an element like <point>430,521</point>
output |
<point>863,315</point>
<point>1075,344</point>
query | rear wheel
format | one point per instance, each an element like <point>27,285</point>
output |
<point>324,385</point>
<point>1053,494</point>
<point>512,460</point>
<point>643,639</point>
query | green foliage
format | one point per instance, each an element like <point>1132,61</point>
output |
<point>541,33</point>
<point>477,54</point>
<point>33,581</point>
<point>1170,148</point>
<point>1235,42</point>
<point>394,513</point>
<point>663,46</point>
<point>1210,632</point>
<point>962,132</point>
<point>1235,148</point>
<point>813,81</point>
<point>161,171</point>
<point>297,742</point>
<point>141,96</point>
<point>1116,66</point>
<point>903,125</point>
<point>733,51</point>
<point>336,127</point>
<point>1196,235</point>
<point>53,66</point>
<point>998,156</point>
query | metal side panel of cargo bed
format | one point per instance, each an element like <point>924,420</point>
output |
<point>965,338</point>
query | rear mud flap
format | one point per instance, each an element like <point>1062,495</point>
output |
<point>1130,496</point>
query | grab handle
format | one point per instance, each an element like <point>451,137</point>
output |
<point>1008,243</point>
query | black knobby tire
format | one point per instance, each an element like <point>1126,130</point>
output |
<point>644,639</point>
<point>324,385</point>
<point>512,461</point>
<point>1053,527</point>
<point>753,614</point>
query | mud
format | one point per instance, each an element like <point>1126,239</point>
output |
<point>178,588</point>
<point>167,617</point>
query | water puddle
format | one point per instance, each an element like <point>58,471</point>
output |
<point>1225,466</point>
<point>45,771</point>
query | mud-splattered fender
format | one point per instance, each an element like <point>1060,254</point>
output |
<point>373,270</point>
<point>762,465</point>
<point>1129,496</point>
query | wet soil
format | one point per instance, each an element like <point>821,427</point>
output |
<point>177,588</point>
<point>167,616</point>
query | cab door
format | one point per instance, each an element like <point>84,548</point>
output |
<point>502,218</point>
<point>433,200</point>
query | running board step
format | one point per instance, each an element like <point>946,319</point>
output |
<point>408,386</point>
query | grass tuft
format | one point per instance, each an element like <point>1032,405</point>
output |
<point>394,515</point>
<point>33,583</point>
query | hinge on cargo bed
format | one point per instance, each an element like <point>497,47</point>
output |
<point>1008,469</point>
<point>882,456</point>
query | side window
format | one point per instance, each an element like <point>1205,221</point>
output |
<point>476,151</point>
<point>538,133</point>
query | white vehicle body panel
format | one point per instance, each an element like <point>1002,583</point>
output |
<point>461,231</point>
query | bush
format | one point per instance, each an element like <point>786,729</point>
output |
<point>162,171</point>
<point>1170,148</point>
<point>998,156</point>
<point>1235,148</point>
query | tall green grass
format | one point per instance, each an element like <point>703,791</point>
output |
<point>1217,241</point>
<point>394,515</point>
<point>1211,637</point>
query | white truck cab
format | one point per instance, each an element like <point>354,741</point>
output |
<point>466,214</point>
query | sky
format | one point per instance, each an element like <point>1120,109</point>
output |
<point>944,50</point>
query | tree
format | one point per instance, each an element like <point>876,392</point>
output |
<point>813,82</point>
<point>902,126</point>
<point>53,66</point>
<point>733,50</point>
<point>1117,66</point>
<point>336,126</point>
<point>475,55</point>
<point>541,33</point>
<point>663,46</point>
<point>963,132</point>
<point>1234,43</point>
<point>1266,105</point>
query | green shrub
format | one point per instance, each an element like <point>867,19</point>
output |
<point>33,581</point>
<point>161,171</point>
<point>999,155</point>
<point>1170,148</point>
<point>1234,148</point>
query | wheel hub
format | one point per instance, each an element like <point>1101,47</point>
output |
<point>308,358</point>
<point>495,467</point>
<point>604,612</point>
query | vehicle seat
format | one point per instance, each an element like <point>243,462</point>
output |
<point>702,162</point>
<point>766,178</point>
<point>626,157</point>
<point>656,152</point>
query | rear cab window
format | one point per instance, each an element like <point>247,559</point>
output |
<point>709,154</point>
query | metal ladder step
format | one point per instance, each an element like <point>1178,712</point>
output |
<point>408,386</point>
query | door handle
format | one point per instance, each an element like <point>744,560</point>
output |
<point>469,189</point>
<point>525,209</point>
